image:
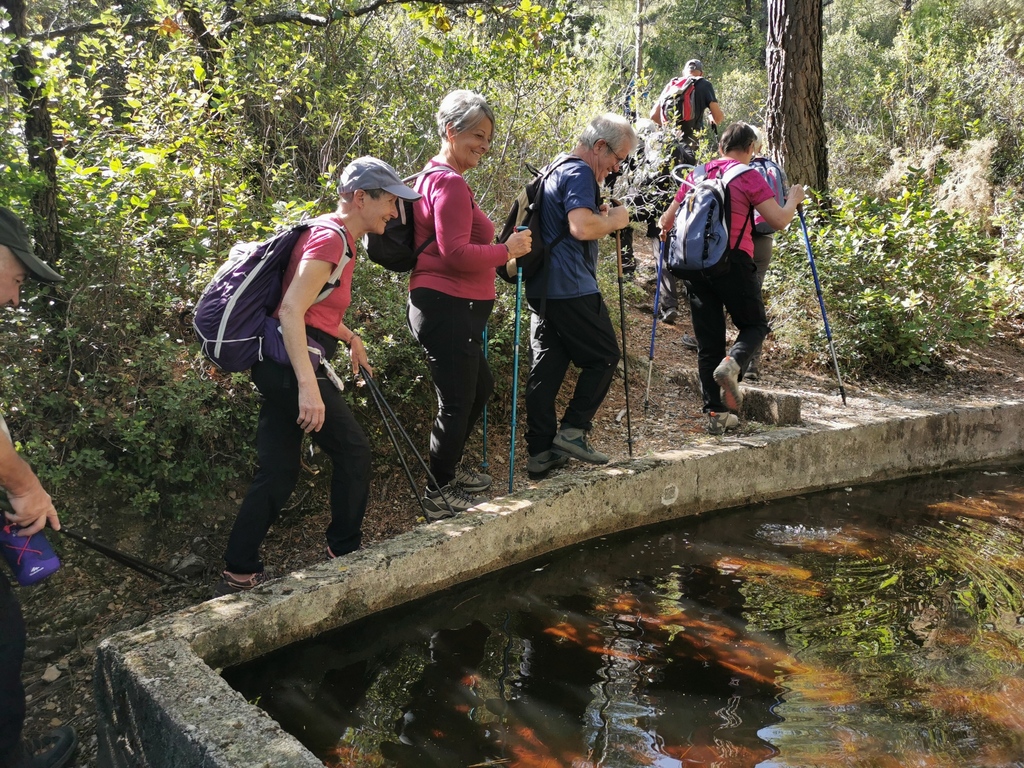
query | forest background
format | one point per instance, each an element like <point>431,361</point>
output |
<point>182,129</point>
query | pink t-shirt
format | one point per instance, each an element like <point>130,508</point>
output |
<point>745,191</point>
<point>461,261</point>
<point>322,244</point>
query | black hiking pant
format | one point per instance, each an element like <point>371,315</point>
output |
<point>451,331</point>
<point>738,293</point>
<point>278,448</point>
<point>577,331</point>
<point>12,692</point>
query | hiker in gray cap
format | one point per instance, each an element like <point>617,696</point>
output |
<point>33,509</point>
<point>300,399</point>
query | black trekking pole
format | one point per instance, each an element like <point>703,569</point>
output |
<point>380,399</point>
<point>394,440</point>
<point>821,302</point>
<point>654,326</point>
<point>625,364</point>
<point>143,567</point>
<point>146,569</point>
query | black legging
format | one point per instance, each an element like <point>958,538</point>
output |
<point>451,330</point>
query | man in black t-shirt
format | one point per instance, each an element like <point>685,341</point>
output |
<point>691,87</point>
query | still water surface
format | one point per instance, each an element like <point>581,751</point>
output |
<point>876,626</point>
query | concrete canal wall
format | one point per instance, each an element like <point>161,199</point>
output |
<point>162,702</point>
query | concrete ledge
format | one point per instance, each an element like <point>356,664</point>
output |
<point>766,406</point>
<point>162,703</point>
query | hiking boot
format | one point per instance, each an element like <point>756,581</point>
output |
<point>52,750</point>
<point>230,583</point>
<point>727,377</point>
<point>688,341</point>
<point>572,441</point>
<point>539,465</point>
<point>668,316</point>
<point>450,501</point>
<point>718,423</point>
<point>752,372</point>
<point>472,482</point>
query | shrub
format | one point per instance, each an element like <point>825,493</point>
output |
<point>904,282</point>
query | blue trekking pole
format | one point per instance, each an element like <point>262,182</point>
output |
<point>515,376</point>
<point>821,302</point>
<point>483,461</point>
<point>654,326</point>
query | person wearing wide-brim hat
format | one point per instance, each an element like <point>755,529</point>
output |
<point>301,398</point>
<point>33,509</point>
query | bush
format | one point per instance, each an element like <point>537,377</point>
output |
<point>905,283</point>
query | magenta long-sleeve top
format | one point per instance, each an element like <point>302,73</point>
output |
<point>461,261</point>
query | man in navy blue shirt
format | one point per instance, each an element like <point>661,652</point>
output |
<point>569,319</point>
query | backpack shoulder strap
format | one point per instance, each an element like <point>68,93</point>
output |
<point>334,280</point>
<point>737,170</point>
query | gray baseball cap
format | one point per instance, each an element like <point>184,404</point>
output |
<point>371,173</point>
<point>694,65</point>
<point>14,235</point>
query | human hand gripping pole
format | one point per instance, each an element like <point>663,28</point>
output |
<point>821,301</point>
<point>145,568</point>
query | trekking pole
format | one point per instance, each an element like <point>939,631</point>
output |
<point>375,389</point>
<point>484,465</point>
<point>821,302</point>
<point>141,566</point>
<point>515,376</point>
<point>394,440</point>
<point>625,365</point>
<point>654,325</point>
<point>146,569</point>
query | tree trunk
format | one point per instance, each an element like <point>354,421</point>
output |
<point>38,137</point>
<point>795,124</point>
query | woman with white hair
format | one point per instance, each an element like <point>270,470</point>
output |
<point>451,294</point>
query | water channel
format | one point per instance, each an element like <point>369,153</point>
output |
<point>872,626</point>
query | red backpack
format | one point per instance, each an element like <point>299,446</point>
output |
<point>678,103</point>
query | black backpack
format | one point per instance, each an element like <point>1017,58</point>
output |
<point>525,212</point>
<point>395,250</point>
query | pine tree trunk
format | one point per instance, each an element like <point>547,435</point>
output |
<point>38,138</point>
<point>795,125</point>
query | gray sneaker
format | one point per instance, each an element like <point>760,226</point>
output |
<point>718,423</point>
<point>472,482</point>
<point>544,462</point>
<point>727,377</point>
<point>450,501</point>
<point>688,341</point>
<point>572,441</point>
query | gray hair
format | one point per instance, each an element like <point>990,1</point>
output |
<point>462,110</point>
<point>611,128</point>
<point>758,139</point>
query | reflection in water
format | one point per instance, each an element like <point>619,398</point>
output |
<point>878,626</point>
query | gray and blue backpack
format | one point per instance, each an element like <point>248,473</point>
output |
<point>700,237</point>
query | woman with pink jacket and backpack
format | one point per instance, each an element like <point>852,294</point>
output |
<point>736,290</point>
<point>451,294</point>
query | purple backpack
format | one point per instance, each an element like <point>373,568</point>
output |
<point>233,318</point>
